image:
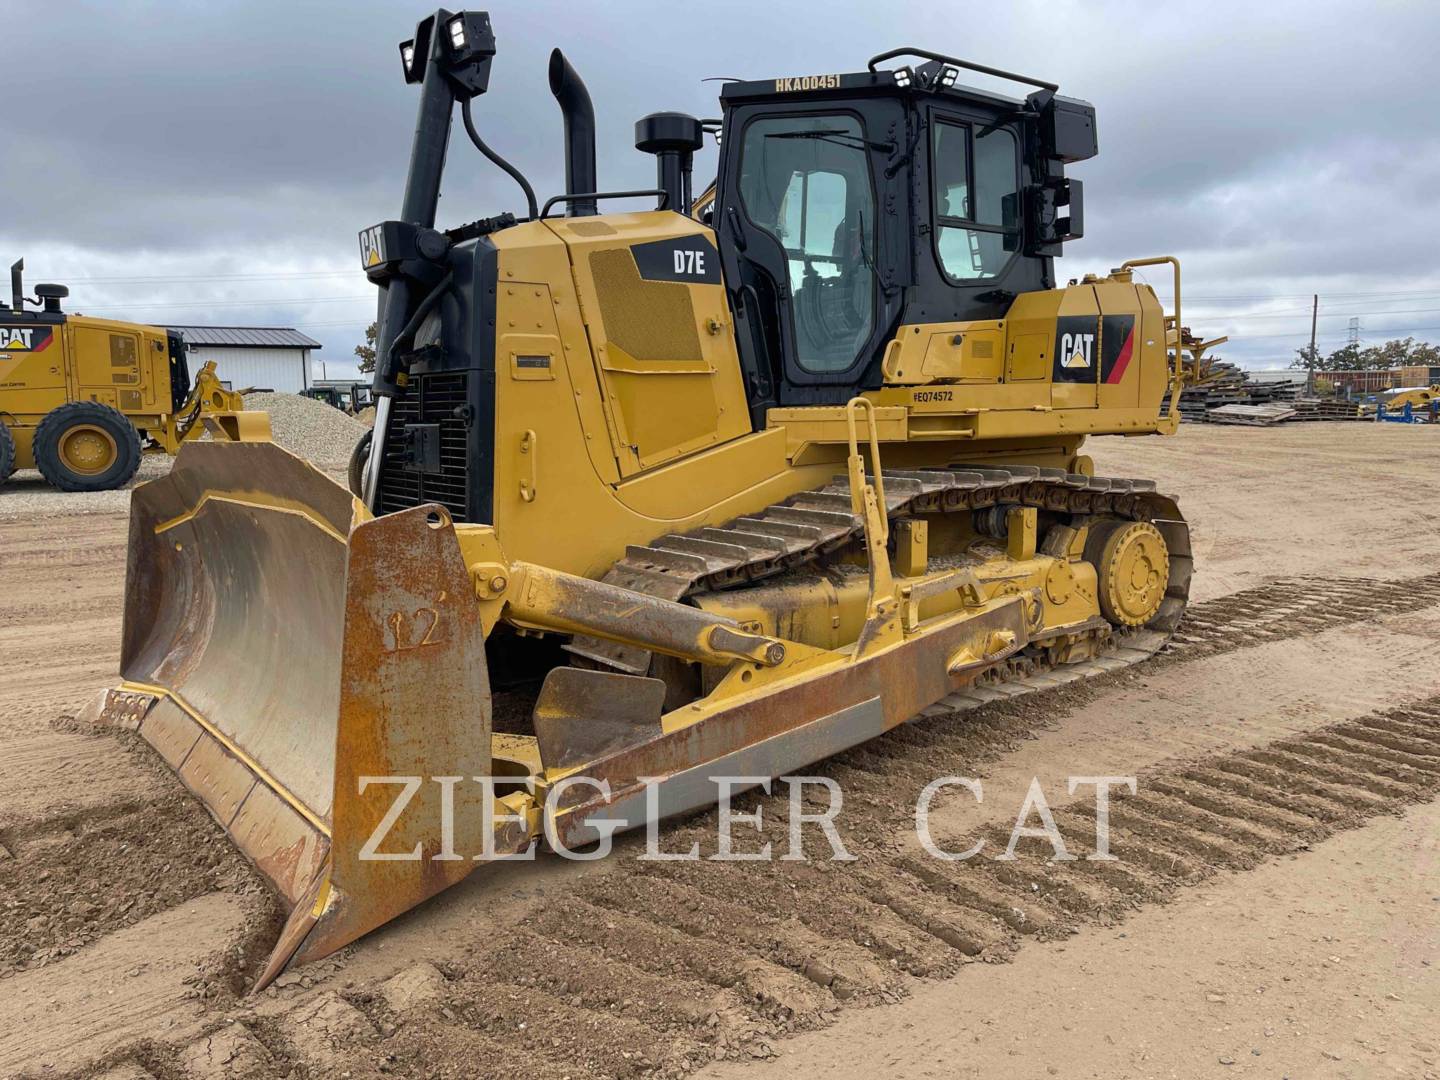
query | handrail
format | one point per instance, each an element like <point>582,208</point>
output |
<point>966,64</point>
<point>578,195</point>
<point>857,465</point>
<point>1178,377</point>
<point>1156,260</point>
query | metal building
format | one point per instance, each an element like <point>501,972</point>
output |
<point>265,357</point>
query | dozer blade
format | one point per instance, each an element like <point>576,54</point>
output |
<point>292,658</point>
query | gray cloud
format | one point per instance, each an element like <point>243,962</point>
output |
<point>1279,149</point>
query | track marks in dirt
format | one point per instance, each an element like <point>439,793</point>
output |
<point>72,878</point>
<point>663,967</point>
<point>128,985</point>
<point>657,968</point>
<point>1291,607</point>
<point>55,772</point>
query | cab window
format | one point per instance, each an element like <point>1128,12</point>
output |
<point>806,181</point>
<point>976,185</point>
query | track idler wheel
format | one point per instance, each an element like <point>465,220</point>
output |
<point>1132,567</point>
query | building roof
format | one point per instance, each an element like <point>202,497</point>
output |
<point>247,337</point>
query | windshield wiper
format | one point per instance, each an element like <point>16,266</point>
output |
<point>838,136</point>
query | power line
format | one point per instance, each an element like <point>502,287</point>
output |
<point>182,278</point>
<point>1298,334</point>
<point>1297,296</point>
<point>198,305</point>
<point>1288,315</point>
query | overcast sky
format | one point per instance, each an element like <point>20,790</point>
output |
<point>211,162</point>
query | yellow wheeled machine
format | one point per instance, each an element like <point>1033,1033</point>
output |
<point>694,496</point>
<point>81,399</point>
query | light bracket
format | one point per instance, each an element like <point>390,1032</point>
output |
<point>461,44</point>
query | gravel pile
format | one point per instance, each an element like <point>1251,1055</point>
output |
<point>317,432</point>
<point>26,495</point>
<point>320,434</point>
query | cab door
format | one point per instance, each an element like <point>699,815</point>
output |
<point>810,222</point>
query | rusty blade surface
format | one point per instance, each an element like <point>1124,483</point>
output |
<point>785,727</point>
<point>582,715</point>
<point>292,660</point>
<point>414,707</point>
<point>234,603</point>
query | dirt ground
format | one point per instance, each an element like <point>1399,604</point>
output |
<point>1274,909</point>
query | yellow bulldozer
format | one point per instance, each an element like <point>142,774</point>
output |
<point>716,488</point>
<point>81,399</point>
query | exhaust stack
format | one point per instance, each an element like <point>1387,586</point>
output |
<point>575,106</point>
<point>17,285</point>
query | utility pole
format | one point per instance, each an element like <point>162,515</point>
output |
<point>1354,342</point>
<point>1314,360</point>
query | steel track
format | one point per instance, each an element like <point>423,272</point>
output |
<point>803,529</point>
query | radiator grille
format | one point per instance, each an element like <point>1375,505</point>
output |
<point>432,399</point>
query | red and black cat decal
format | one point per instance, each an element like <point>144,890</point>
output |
<point>1117,347</point>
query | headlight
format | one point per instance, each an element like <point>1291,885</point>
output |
<point>457,32</point>
<point>407,61</point>
<point>902,76</point>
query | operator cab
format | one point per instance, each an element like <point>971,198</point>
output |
<point>825,179</point>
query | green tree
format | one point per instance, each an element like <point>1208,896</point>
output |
<point>1308,359</point>
<point>1394,353</point>
<point>366,352</point>
<point>1425,353</point>
<point>1346,358</point>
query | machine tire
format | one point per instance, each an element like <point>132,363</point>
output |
<point>86,446</point>
<point>7,453</point>
<point>358,457</point>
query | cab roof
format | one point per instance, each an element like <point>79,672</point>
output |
<point>939,74</point>
<point>810,87</point>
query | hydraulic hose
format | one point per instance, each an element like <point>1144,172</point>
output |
<point>380,432</point>
<point>515,173</point>
<point>407,332</point>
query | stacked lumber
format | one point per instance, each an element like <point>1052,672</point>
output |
<point>1262,392</point>
<point>1326,409</point>
<point>1254,415</point>
<point>1222,384</point>
<point>1227,395</point>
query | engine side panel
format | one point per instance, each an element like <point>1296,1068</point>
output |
<point>664,350</point>
<point>568,491</point>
